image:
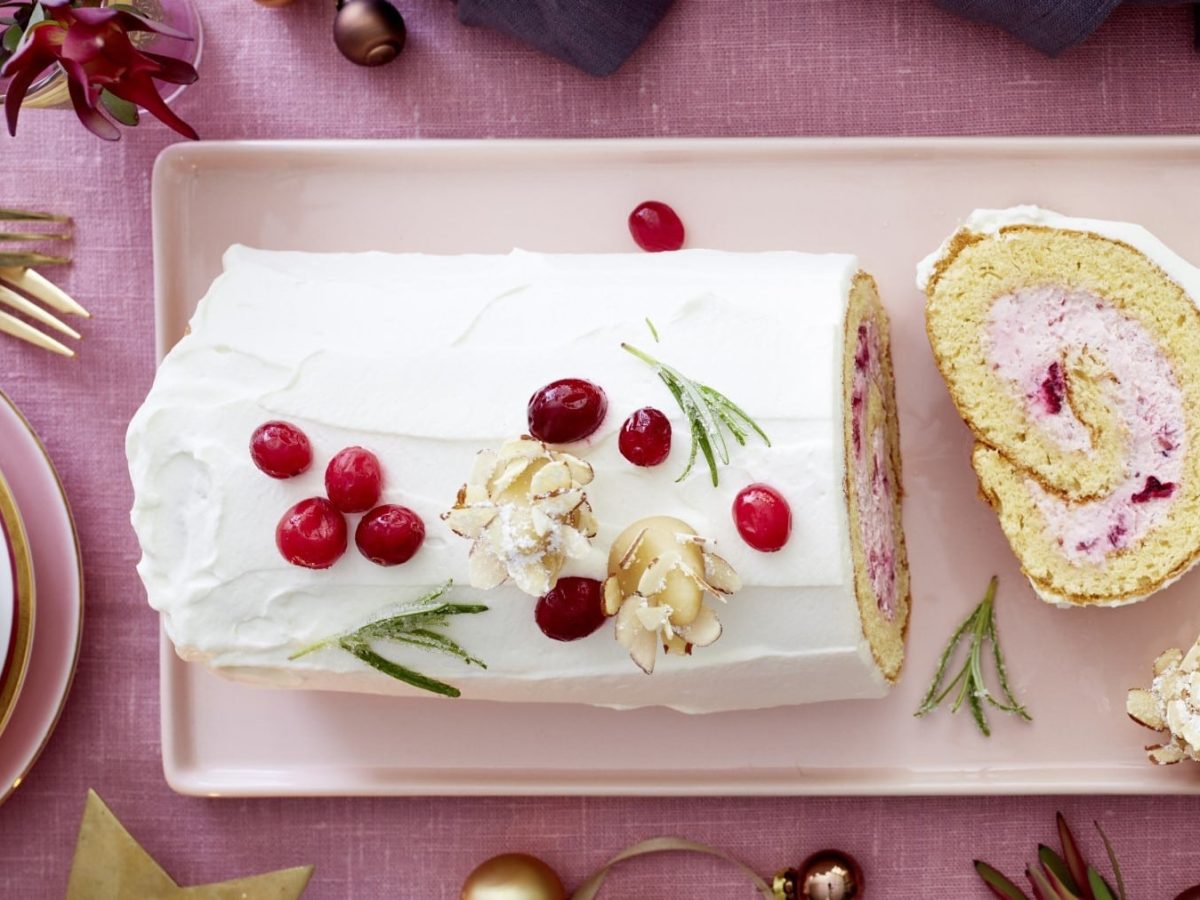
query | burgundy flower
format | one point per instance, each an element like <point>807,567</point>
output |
<point>93,46</point>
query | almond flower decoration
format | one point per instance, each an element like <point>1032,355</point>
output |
<point>525,510</point>
<point>659,571</point>
<point>1171,705</point>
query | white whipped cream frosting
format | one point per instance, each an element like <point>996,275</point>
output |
<point>425,360</point>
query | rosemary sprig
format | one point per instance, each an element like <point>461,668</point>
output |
<point>653,330</point>
<point>709,413</point>
<point>980,627</point>
<point>412,625</point>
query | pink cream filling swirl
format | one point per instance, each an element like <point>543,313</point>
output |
<point>1030,335</point>
<point>872,483</point>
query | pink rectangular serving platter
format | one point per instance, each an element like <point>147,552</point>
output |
<point>889,201</point>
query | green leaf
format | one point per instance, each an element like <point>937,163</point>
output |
<point>1112,858</point>
<point>1071,855</point>
<point>399,672</point>
<point>999,885</point>
<point>1099,887</point>
<point>12,37</point>
<point>1053,863</point>
<point>1042,887</point>
<point>122,110</point>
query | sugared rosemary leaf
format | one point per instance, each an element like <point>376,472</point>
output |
<point>413,626</point>
<point>653,330</point>
<point>400,673</point>
<point>709,414</point>
<point>978,628</point>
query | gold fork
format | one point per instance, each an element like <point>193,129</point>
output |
<point>22,289</point>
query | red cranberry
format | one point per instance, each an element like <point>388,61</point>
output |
<point>566,410</point>
<point>353,480</point>
<point>573,609</point>
<point>645,438</point>
<point>1154,490</point>
<point>1054,389</point>
<point>280,449</point>
<point>763,517</point>
<point>390,535</point>
<point>655,226</point>
<point>312,534</point>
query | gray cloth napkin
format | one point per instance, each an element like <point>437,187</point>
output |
<point>594,35</point>
<point>1049,25</point>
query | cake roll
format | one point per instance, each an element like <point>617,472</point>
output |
<point>1069,347</point>
<point>429,362</point>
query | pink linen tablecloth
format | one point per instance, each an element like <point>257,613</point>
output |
<point>715,67</point>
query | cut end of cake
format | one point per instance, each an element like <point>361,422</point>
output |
<point>1072,356</point>
<point>873,478</point>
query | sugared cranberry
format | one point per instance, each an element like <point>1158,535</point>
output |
<point>573,609</point>
<point>354,480</point>
<point>1154,490</point>
<point>312,534</point>
<point>1054,389</point>
<point>390,535</point>
<point>655,227</point>
<point>645,438</point>
<point>763,517</point>
<point>280,449</point>
<point>566,410</point>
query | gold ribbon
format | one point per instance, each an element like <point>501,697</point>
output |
<point>591,887</point>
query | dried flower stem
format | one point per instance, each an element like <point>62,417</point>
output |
<point>970,683</point>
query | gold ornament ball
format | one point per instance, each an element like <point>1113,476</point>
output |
<point>831,875</point>
<point>513,876</point>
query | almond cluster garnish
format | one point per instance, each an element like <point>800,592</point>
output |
<point>659,572</point>
<point>525,510</point>
<point>1171,705</point>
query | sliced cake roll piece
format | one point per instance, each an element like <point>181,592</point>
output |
<point>1069,347</point>
<point>873,485</point>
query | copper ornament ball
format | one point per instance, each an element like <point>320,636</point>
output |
<point>513,876</point>
<point>273,3</point>
<point>369,32</point>
<point>830,875</point>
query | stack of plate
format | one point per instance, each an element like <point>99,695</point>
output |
<point>41,598</point>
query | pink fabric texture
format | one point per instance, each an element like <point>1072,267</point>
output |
<point>755,67</point>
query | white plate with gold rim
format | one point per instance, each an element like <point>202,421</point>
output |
<point>53,548</point>
<point>16,603</point>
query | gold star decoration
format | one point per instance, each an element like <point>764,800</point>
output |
<point>110,865</point>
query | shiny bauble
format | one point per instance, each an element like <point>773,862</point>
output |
<point>830,875</point>
<point>369,32</point>
<point>513,876</point>
<point>274,3</point>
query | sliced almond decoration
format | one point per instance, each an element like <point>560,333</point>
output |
<point>552,478</point>
<point>612,596</point>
